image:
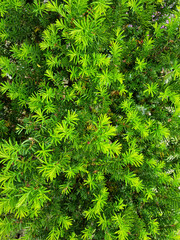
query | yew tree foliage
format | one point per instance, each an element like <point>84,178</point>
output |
<point>89,119</point>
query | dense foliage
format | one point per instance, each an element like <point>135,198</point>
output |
<point>89,119</point>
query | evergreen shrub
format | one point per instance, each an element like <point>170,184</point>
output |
<point>89,119</point>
